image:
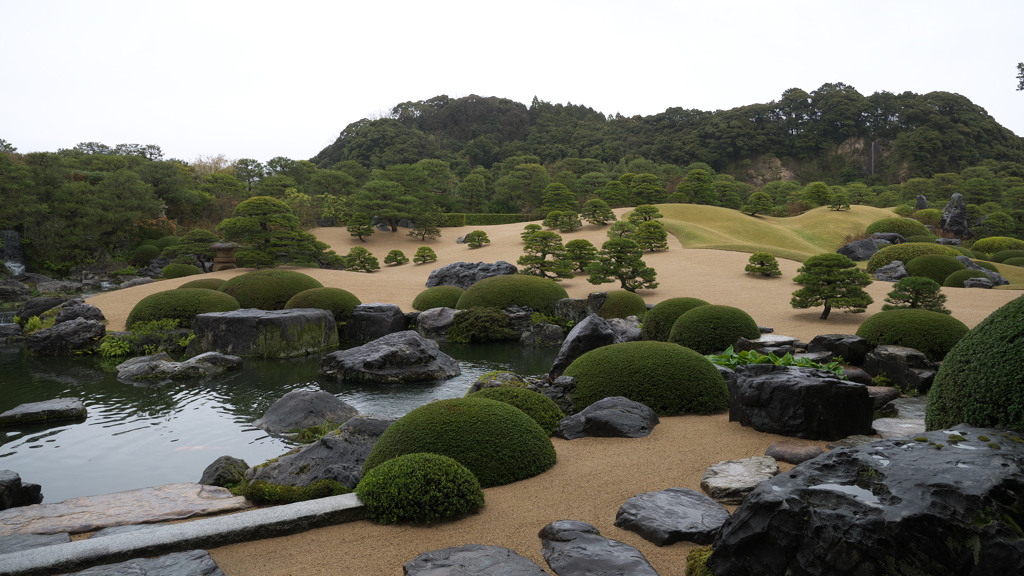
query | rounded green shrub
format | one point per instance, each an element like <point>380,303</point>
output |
<point>903,226</point>
<point>480,325</point>
<point>542,409</point>
<point>987,265</point>
<point>668,378</point>
<point>206,283</point>
<point>934,266</point>
<point>932,333</point>
<point>1015,261</point>
<point>994,244</point>
<point>906,252</point>
<point>175,270</point>
<point>498,443</point>
<point>180,305</point>
<point>534,292</point>
<point>659,320</point>
<point>980,383</point>
<point>920,238</point>
<point>622,304</point>
<point>963,251</point>
<point>956,279</point>
<point>268,289</point>
<point>165,242</point>
<point>1004,255</point>
<point>437,297</point>
<point>928,216</point>
<point>143,254</point>
<point>339,302</point>
<point>712,328</point>
<point>419,488</point>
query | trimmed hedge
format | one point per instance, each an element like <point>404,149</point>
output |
<point>933,333</point>
<point>339,302</point>
<point>268,289</point>
<point>175,270</point>
<point>437,297</point>
<point>907,252</point>
<point>419,488</point>
<point>956,279</point>
<point>205,283</point>
<point>668,378</point>
<point>455,219</point>
<point>659,320</point>
<point>994,244</point>
<point>534,292</point>
<point>980,382</point>
<point>498,443</point>
<point>934,266</point>
<point>904,226</point>
<point>181,305</point>
<point>1015,261</point>
<point>928,216</point>
<point>920,238</point>
<point>143,254</point>
<point>482,324</point>
<point>537,406</point>
<point>712,328</point>
<point>622,304</point>
<point>1004,255</point>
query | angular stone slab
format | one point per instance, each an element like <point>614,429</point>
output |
<point>910,407</point>
<point>672,515</point>
<point>615,417</point>
<point>264,333</point>
<point>393,359</point>
<point>573,548</point>
<point>191,563</point>
<point>729,482</point>
<point>18,542</point>
<point>146,505</point>
<point>46,411</point>
<point>472,560</point>
<point>898,427</point>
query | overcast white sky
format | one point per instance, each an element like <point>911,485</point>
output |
<point>261,79</point>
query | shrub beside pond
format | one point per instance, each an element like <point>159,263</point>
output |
<point>542,409</point>
<point>182,305</point>
<point>175,270</point>
<point>437,297</point>
<point>338,302</point>
<point>622,304</point>
<point>712,328</point>
<point>268,289</point>
<point>534,292</point>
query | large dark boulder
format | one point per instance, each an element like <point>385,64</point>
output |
<point>471,560</point>
<point>78,336</point>
<point>614,417</point>
<point>672,515</point>
<point>264,333</point>
<point>859,249</point>
<point>954,217</point>
<point>36,306</point>
<point>921,202</point>
<point>392,359</point>
<point>947,504</point>
<point>801,402</point>
<point>304,408</point>
<point>14,492</point>
<point>465,274</point>
<point>160,368</point>
<point>996,278</point>
<point>372,321</point>
<point>851,348</point>
<point>892,272</point>
<point>573,548</point>
<point>13,291</point>
<point>907,368</point>
<point>224,471</point>
<point>435,322</point>
<point>593,332</point>
<point>79,309</point>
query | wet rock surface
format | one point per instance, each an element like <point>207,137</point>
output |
<point>56,410</point>
<point>793,452</point>
<point>591,333</point>
<point>393,359</point>
<point>730,481</point>
<point>672,515</point>
<point>191,563</point>
<point>465,274</point>
<point>615,416</point>
<point>160,367</point>
<point>471,560</point>
<point>302,409</point>
<point>264,333</point>
<point>573,548</point>
<point>67,338</point>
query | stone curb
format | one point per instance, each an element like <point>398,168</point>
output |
<point>199,534</point>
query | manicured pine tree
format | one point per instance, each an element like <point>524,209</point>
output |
<point>833,281</point>
<point>425,227</point>
<point>916,292</point>
<point>529,230</point>
<point>396,257</point>
<point>545,256</point>
<point>620,259</point>
<point>360,259</point>
<point>359,225</point>
<point>759,202</point>
<point>621,229</point>
<point>644,213</point>
<point>764,264</point>
<point>476,239</point>
<point>424,254</point>
<point>597,211</point>
<point>651,236</point>
<point>569,222</point>
<point>581,253</point>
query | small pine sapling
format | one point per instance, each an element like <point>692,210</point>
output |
<point>359,225</point>
<point>360,259</point>
<point>917,292</point>
<point>423,255</point>
<point>840,201</point>
<point>396,257</point>
<point>476,239</point>
<point>764,264</point>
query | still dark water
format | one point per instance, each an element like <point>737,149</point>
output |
<point>138,436</point>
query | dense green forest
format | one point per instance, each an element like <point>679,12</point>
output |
<point>91,205</point>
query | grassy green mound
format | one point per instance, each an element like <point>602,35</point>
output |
<point>920,238</point>
<point>659,320</point>
<point>905,253</point>
<point>934,266</point>
<point>419,488</point>
<point>986,265</point>
<point>181,305</point>
<point>668,378</point>
<point>956,279</point>
<point>994,244</point>
<point>1015,261</point>
<point>542,409</point>
<point>712,328</point>
<point>904,226</point>
<point>205,283</point>
<point>437,297</point>
<point>1003,255</point>
<point>268,289</point>
<point>622,304</point>
<point>174,270</point>
<point>498,443</point>
<point>933,333</point>
<point>339,302</point>
<point>928,216</point>
<point>534,292</point>
<point>980,380</point>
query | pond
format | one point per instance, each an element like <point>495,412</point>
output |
<point>139,436</point>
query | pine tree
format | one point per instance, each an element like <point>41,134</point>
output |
<point>476,239</point>
<point>545,256</point>
<point>528,231</point>
<point>651,236</point>
<point>598,212</point>
<point>644,213</point>
<point>360,259</point>
<point>581,253</point>
<point>359,225</point>
<point>833,281</point>
<point>916,292</point>
<point>425,227</point>
<point>424,254</point>
<point>621,229</point>
<point>396,257</point>
<point>620,259</point>
<point>764,264</point>
<point>759,202</point>
<point>268,229</point>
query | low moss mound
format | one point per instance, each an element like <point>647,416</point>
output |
<point>1003,255</point>
<point>669,378</point>
<point>980,381</point>
<point>1015,261</point>
<point>437,297</point>
<point>204,283</point>
<point>920,238</point>
<point>987,265</point>
<point>928,216</point>
<point>903,226</point>
<point>480,325</point>
<point>179,304</point>
<point>934,266</point>
<point>933,333</point>
<point>905,253</point>
<point>265,493</point>
<point>994,244</point>
<point>268,289</point>
<point>175,270</point>
<point>498,443</point>
<point>622,304</point>
<point>339,302</point>
<point>659,319</point>
<point>713,328</point>
<point>419,488</point>
<point>534,292</point>
<point>697,562</point>
<point>956,279</point>
<point>542,409</point>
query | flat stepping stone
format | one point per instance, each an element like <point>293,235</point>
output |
<point>911,408</point>
<point>191,563</point>
<point>19,542</point>
<point>573,548</point>
<point>672,515</point>
<point>143,506</point>
<point>730,481</point>
<point>46,411</point>
<point>851,441</point>
<point>773,341</point>
<point>898,427</point>
<point>472,560</point>
<point>793,452</point>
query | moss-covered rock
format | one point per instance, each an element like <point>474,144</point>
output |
<point>622,304</point>
<point>712,328</point>
<point>437,297</point>
<point>419,488</point>
<point>268,289</point>
<point>932,333</point>
<point>266,493</point>
<point>906,252</point>
<point>903,226</point>
<point>338,302</point>
<point>498,443</point>
<point>534,292</point>
<point>956,279</point>
<point>934,266</point>
<point>182,305</point>
<point>669,378</point>
<point>204,283</point>
<point>174,270</point>
<point>477,325</point>
<point>542,409</point>
<point>659,320</point>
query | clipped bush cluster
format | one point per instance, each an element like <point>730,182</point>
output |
<point>268,289</point>
<point>534,292</point>
<point>419,488</point>
<point>934,266</point>
<point>994,244</point>
<point>261,492</point>
<point>932,333</point>
<point>659,319</point>
<point>339,302</point>
<point>499,444</point>
<point>143,254</point>
<point>980,380</point>
<point>920,238</point>
<point>709,329</point>
<point>480,325</point>
<point>956,279</point>
<point>622,304</point>
<point>175,270</point>
<point>205,283</point>
<point>928,216</point>
<point>537,406</point>
<point>437,297</point>
<point>907,252</point>
<point>903,226</point>
<point>668,378</point>
<point>181,305</point>
<point>1004,255</point>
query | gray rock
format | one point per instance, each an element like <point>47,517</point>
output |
<point>465,274</point>
<point>672,515</point>
<point>78,336</point>
<point>31,278</point>
<point>889,237</point>
<point>543,336</point>
<point>978,283</point>
<point>62,286</point>
<point>56,410</point>
<point>135,282</point>
<point>882,395</point>
<point>573,548</point>
<point>898,427</point>
<point>949,241</point>
<point>954,217</point>
<point>37,306</point>
<point>730,481</point>
<point>912,407</point>
<point>520,318</point>
<point>15,493</point>
<point>793,452</point>
<point>10,334</point>
<point>891,272</point>
<point>471,560</point>
<point>920,203</point>
<point>592,333</point>
<point>264,333</point>
<point>115,530</point>
<point>852,441</point>
<point>851,348</point>
<point>191,563</point>
<point>72,311</point>
<point>224,471</point>
<point>995,277</point>
<point>392,359</point>
<point>907,368</point>
<point>859,250</point>
<point>573,309</point>
<point>14,291</point>
<point>372,321</point>
<point>406,223</point>
<point>300,409</point>
<point>891,507</point>
<point>765,341</point>
<point>614,417</point>
<point>498,380</point>
<point>625,329</point>
<point>434,323</point>
<point>854,374</point>
<point>18,542</point>
<point>562,390</point>
<point>160,368</point>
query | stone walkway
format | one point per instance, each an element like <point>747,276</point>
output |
<point>909,419</point>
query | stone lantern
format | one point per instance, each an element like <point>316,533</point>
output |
<point>225,255</point>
